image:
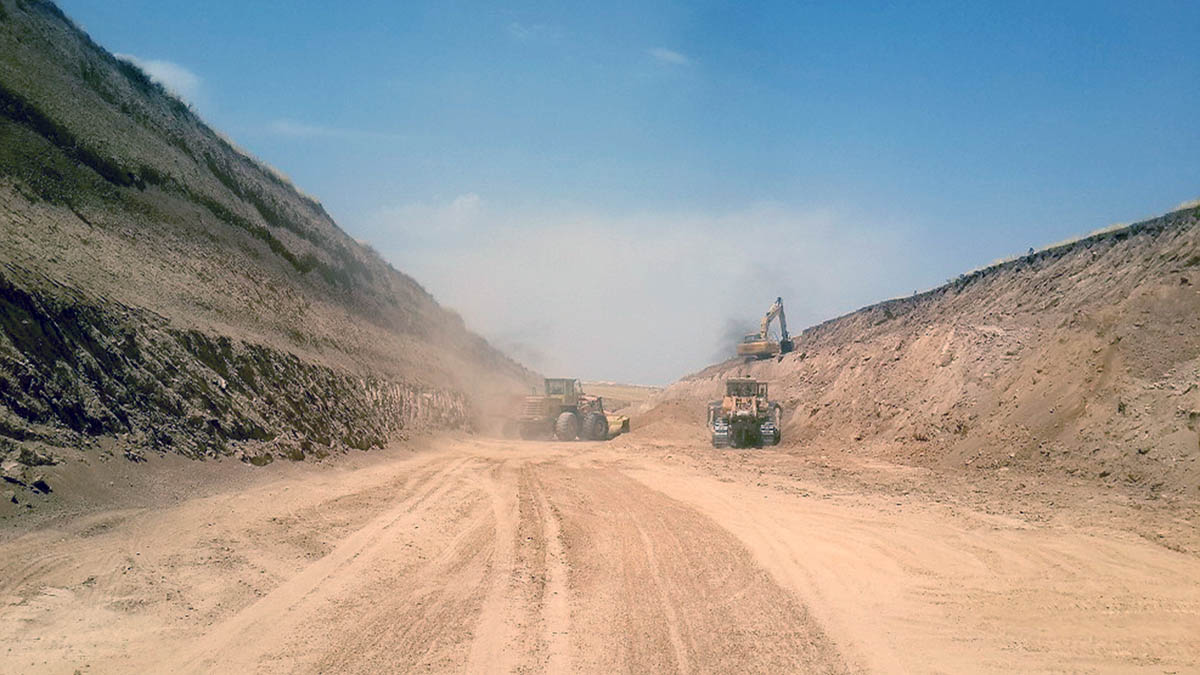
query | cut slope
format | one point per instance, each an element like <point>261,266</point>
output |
<point>1083,359</point>
<point>159,285</point>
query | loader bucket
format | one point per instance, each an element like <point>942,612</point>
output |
<point>617,425</point>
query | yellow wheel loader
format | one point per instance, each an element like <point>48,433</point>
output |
<point>566,413</point>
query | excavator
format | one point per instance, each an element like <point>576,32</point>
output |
<point>760,345</point>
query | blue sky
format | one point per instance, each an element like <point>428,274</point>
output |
<point>674,167</point>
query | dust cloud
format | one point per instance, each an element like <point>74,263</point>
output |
<point>641,298</point>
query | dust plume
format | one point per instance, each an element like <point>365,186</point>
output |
<point>634,297</point>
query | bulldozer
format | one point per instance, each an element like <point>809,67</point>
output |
<point>567,413</point>
<point>746,417</point>
<point>760,345</point>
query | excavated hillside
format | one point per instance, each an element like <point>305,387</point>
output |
<point>1082,359</point>
<point>162,290</point>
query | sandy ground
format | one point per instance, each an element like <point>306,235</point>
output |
<point>486,555</point>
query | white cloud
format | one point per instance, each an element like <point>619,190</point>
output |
<point>636,297</point>
<point>294,129</point>
<point>668,56</point>
<point>465,207</point>
<point>526,32</point>
<point>181,82</point>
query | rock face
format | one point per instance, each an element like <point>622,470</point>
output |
<point>1082,359</point>
<point>161,288</point>
<point>76,370</point>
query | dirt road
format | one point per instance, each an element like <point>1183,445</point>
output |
<point>499,556</point>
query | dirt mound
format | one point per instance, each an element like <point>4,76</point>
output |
<point>161,287</point>
<point>1082,359</point>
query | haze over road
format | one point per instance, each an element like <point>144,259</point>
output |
<point>634,556</point>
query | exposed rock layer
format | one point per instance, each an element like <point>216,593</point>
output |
<point>162,287</point>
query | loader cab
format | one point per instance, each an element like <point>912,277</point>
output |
<point>745,388</point>
<point>566,388</point>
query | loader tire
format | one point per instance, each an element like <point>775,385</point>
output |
<point>509,429</point>
<point>595,427</point>
<point>566,427</point>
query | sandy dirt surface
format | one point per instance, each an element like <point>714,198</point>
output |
<point>637,555</point>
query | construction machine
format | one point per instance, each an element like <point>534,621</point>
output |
<point>760,345</point>
<point>745,417</point>
<point>567,413</point>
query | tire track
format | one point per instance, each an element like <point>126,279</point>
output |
<point>926,590</point>
<point>230,646</point>
<point>495,629</point>
<point>556,613</point>
<point>528,557</point>
<point>681,652</point>
<point>411,612</point>
<point>670,591</point>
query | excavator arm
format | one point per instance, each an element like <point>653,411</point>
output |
<point>775,311</point>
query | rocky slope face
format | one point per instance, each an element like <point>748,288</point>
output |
<point>1082,359</point>
<point>160,289</point>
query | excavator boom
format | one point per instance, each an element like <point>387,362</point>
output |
<point>775,311</point>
